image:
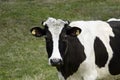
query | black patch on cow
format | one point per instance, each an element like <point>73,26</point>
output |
<point>72,52</point>
<point>101,54</point>
<point>114,65</point>
<point>49,42</point>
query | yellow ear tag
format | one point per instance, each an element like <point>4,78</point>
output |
<point>33,32</point>
<point>77,32</point>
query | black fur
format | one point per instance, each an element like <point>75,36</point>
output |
<point>49,43</point>
<point>114,65</point>
<point>101,54</point>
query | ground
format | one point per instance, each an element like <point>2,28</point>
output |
<point>24,57</point>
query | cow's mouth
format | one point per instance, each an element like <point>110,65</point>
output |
<point>56,62</point>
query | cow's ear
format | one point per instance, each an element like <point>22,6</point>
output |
<point>74,31</point>
<point>37,31</point>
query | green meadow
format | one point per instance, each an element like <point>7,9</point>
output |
<point>24,57</point>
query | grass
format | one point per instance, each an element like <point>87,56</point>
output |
<point>24,57</point>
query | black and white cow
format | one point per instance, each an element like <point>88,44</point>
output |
<point>82,50</point>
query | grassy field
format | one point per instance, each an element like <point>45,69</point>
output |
<point>24,57</point>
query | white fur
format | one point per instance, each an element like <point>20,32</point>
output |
<point>113,19</point>
<point>60,76</point>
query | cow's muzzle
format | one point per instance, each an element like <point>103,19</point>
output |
<point>56,62</point>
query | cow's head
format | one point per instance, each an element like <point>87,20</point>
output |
<point>56,32</point>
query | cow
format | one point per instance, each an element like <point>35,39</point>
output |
<point>81,50</point>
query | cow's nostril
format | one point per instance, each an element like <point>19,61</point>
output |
<point>56,62</point>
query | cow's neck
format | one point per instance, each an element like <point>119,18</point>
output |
<point>74,56</point>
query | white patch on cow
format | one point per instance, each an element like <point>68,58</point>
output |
<point>90,30</point>
<point>60,76</point>
<point>113,19</point>
<point>55,27</point>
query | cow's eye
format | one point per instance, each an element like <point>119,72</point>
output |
<point>64,38</point>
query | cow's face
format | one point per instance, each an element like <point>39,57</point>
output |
<point>57,33</point>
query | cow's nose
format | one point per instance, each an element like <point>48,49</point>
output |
<point>56,62</point>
